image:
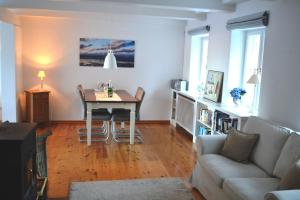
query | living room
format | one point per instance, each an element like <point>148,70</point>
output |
<point>168,40</point>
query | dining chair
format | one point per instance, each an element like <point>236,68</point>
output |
<point>97,115</point>
<point>123,115</point>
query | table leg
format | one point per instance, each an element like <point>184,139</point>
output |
<point>89,124</point>
<point>132,123</point>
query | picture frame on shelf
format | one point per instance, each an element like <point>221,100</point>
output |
<point>214,86</point>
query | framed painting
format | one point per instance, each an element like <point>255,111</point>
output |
<point>214,85</point>
<point>93,52</point>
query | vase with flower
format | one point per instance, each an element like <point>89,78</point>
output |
<point>236,94</point>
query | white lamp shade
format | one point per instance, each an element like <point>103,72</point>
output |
<point>110,61</point>
<point>253,79</point>
<point>41,74</point>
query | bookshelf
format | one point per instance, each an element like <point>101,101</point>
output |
<point>218,118</point>
<point>206,117</point>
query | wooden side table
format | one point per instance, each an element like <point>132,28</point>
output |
<point>37,105</point>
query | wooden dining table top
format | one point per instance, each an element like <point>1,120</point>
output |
<point>89,96</point>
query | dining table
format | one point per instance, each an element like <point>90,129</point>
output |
<point>95,99</point>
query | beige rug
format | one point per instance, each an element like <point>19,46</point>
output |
<point>140,189</point>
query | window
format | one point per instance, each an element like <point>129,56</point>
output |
<point>254,40</point>
<point>245,61</point>
<point>198,61</point>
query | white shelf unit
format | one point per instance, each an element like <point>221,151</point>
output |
<point>194,113</point>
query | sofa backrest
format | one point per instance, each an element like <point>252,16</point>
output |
<point>289,155</point>
<point>271,140</point>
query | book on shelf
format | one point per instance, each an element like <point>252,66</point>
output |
<point>223,122</point>
<point>218,116</point>
<point>206,116</point>
<point>204,131</point>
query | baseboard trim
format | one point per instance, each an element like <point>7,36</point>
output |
<point>161,122</point>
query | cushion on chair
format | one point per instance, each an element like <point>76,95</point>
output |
<point>249,188</point>
<point>220,168</point>
<point>289,155</point>
<point>120,115</point>
<point>271,140</point>
<point>101,114</point>
<point>238,145</point>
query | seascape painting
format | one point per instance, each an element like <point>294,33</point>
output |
<point>93,52</point>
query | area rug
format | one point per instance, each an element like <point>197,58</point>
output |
<point>140,189</point>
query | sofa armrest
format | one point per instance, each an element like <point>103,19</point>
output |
<point>283,195</point>
<point>209,144</point>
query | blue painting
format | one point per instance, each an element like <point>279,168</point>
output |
<point>93,52</point>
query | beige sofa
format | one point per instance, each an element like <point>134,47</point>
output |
<point>219,178</point>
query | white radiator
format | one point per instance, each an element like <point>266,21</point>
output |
<point>185,113</point>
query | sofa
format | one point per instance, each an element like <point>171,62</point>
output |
<point>220,178</point>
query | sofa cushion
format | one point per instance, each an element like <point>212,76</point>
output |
<point>291,179</point>
<point>249,188</point>
<point>270,142</point>
<point>238,145</point>
<point>220,168</point>
<point>289,155</point>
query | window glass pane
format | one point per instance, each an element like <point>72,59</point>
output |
<point>198,61</point>
<point>252,61</point>
<point>204,51</point>
<point>194,62</point>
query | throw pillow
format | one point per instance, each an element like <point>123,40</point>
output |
<point>291,180</point>
<point>238,145</point>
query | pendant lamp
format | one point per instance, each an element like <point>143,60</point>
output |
<point>110,61</point>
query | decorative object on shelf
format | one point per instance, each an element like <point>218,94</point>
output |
<point>179,84</point>
<point>42,75</point>
<point>213,87</point>
<point>201,89</point>
<point>236,94</point>
<point>97,52</point>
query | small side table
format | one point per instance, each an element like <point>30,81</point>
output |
<point>37,105</point>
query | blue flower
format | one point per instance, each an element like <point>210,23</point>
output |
<point>237,93</point>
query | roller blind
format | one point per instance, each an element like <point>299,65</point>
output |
<point>200,30</point>
<point>249,21</point>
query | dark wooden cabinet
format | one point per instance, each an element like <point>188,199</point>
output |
<point>18,161</point>
<point>37,105</point>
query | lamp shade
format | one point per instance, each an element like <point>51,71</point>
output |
<point>253,79</point>
<point>110,61</point>
<point>41,74</point>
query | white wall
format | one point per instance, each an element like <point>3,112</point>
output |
<point>279,99</point>
<point>53,44</point>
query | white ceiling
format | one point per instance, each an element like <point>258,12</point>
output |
<point>172,9</point>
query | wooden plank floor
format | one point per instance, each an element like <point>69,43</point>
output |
<point>166,152</point>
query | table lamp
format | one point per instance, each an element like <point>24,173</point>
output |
<point>41,75</point>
